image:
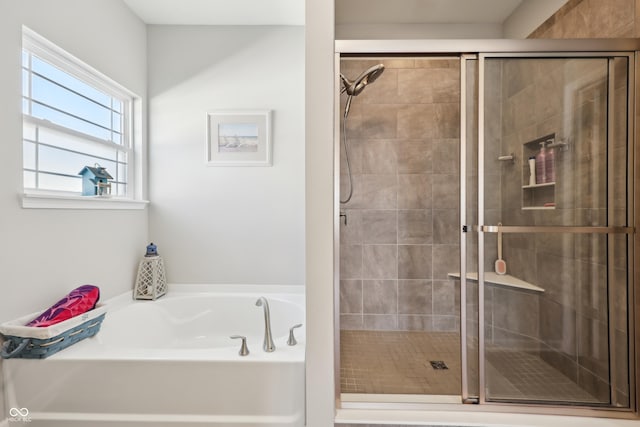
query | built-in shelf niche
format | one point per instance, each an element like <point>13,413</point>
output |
<point>537,196</point>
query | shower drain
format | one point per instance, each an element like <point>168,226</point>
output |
<point>438,364</point>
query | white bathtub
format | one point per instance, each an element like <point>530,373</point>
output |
<point>171,362</point>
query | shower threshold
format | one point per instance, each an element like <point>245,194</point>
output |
<point>358,400</point>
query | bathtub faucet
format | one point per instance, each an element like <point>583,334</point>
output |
<point>268,344</point>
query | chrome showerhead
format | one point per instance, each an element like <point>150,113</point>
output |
<point>354,88</point>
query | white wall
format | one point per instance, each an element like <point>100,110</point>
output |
<point>46,253</point>
<point>319,122</point>
<point>226,224</point>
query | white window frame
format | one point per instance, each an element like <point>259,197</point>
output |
<point>131,141</point>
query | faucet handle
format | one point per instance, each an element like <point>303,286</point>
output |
<point>244,350</point>
<point>292,338</point>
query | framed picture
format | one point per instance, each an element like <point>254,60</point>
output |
<point>239,138</point>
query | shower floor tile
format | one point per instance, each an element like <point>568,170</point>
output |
<point>390,362</point>
<point>399,362</point>
<point>523,376</point>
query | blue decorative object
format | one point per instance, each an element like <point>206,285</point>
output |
<point>152,250</point>
<point>95,181</point>
<point>35,348</point>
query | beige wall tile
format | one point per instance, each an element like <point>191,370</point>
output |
<point>415,226</point>
<point>414,191</point>
<point>380,296</point>
<point>372,192</point>
<point>350,261</point>
<point>351,321</point>
<point>446,297</point>
<point>414,297</point>
<point>378,157</point>
<point>350,296</point>
<point>380,226</point>
<point>351,227</point>
<point>446,156</point>
<point>446,259</point>
<point>380,321</point>
<point>428,85</point>
<point>445,226</point>
<point>414,261</point>
<point>414,156</point>
<point>379,262</point>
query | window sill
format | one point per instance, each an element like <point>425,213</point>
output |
<point>56,201</point>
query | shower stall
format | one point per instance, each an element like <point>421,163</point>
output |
<point>486,226</point>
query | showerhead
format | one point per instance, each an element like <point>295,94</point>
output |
<point>354,88</point>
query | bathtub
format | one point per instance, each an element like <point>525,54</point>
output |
<point>170,362</point>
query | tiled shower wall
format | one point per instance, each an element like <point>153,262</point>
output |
<point>592,19</point>
<point>400,235</point>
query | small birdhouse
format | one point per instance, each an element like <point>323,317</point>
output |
<point>95,181</point>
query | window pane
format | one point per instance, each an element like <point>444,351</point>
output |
<point>69,142</point>
<point>52,159</point>
<point>70,115</point>
<point>53,73</point>
<point>62,99</point>
<point>120,190</point>
<point>29,155</point>
<point>45,113</point>
<point>25,83</point>
<point>117,122</point>
<point>29,179</point>
<point>116,105</point>
<point>60,183</point>
<point>122,173</point>
<point>28,131</point>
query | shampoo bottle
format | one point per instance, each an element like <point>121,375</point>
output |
<point>532,170</point>
<point>541,165</point>
<point>550,165</point>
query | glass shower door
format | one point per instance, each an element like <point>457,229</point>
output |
<point>554,234</point>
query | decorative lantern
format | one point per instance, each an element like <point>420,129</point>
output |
<point>151,282</point>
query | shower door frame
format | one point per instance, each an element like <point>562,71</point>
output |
<point>477,50</point>
<point>481,228</point>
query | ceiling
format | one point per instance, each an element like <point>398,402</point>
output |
<point>219,12</point>
<point>291,12</point>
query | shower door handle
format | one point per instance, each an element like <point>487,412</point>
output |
<point>554,229</point>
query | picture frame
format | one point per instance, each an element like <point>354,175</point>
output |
<point>239,138</point>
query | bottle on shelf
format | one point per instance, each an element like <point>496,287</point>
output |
<point>532,170</point>
<point>550,164</point>
<point>541,165</point>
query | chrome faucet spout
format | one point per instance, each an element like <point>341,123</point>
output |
<point>267,344</point>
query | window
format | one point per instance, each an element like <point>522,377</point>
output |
<point>73,117</point>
